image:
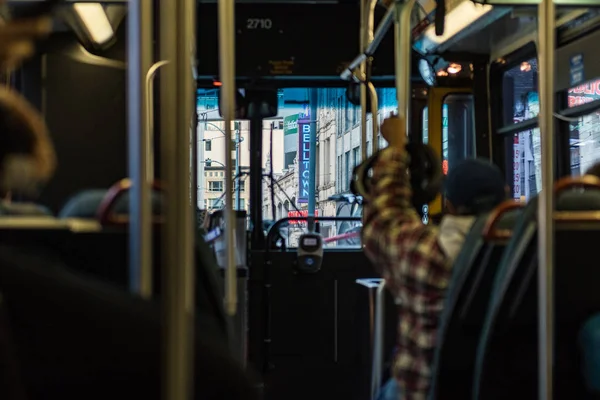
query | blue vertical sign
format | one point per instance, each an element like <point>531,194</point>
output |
<point>303,161</point>
<point>576,70</point>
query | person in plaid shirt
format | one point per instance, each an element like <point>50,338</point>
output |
<point>416,259</point>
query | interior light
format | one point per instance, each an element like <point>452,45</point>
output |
<point>442,73</point>
<point>458,19</point>
<point>454,68</point>
<point>525,67</point>
<point>95,20</point>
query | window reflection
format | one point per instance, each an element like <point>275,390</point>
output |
<point>584,134</point>
<point>526,172</point>
<point>458,129</point>
<point>520,92</point>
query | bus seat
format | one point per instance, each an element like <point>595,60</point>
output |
<point>589,341</point>
<point>468,295</point>
<point>85,204</point>
<point>15,209</point>
<point>509,337</point>
<point>11,385</point>
<point>105,254</point>
<point>80,338</point>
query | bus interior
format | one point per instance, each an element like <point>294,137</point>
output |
<point>174,121</point>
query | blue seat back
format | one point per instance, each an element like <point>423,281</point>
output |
<point>509,338</point>
<point>465,307</point>
<point>589,342</point>
<point>16,209</point>
<point>86,203</point>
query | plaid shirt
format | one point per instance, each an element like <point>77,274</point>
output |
<point>416,270</point>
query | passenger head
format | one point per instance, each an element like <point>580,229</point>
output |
<point>27,157</point>
<point>594,170</point>
<point>474,186</point>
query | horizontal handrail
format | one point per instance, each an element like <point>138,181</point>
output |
<point>588,216</point>
<point>382,28</point>
<point>586,181</point>
<point>342,236</point>
<point>276,225</point>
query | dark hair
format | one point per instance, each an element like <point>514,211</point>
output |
<point>594,170</point>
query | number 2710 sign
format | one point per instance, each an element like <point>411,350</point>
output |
<point>259,23</point>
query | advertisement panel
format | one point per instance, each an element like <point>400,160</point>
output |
<point>585,93</point>
<point>290,125</point>
<point>304,128</point>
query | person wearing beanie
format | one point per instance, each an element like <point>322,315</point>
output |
<point>416,259</point>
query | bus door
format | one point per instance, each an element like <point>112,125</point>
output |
<point>448,126</point>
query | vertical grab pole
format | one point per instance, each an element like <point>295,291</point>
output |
<point>362,77</point>
<point>546,46</point>
<point>150,75</point>
<point>378,340</point>
<point>139,58</point>
<point>227,74</point>
<point>370,89</point>
<point>374,114</point>
<point>402,53</point>
<point>176,91</point>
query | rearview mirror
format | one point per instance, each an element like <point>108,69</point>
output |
<point>255,103</point>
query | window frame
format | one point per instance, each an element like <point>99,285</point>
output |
<point>562,101</point>
<point>502,132</point>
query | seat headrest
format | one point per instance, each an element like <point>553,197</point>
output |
<point>571,200</point>
<point>509,219</point>
<point>588,200</point>
<point>122,204</point>
<point>24,210</point>
<point>85,204</point>
<point>27,157</point>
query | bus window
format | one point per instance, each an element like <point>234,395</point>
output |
<point>527,172</point>
<point>519,85</point>
<point>337,151</point>
<point>584,134</point>
<point>458,129</point>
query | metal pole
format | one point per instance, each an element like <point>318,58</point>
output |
<point>150,75</point>
<point>312,161</point>
<point>378,36</point>
<point>177,91</point>
<point>227,74</point>
<point>238,202</point>
<point>200,146</point>
<point>546,72</point>
<point>378,337</point>
<point>362,75</point>
<point>374,115</point>
<point>402,41</point>
<point>139,55</point>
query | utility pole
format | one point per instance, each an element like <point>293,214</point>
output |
<point>200,181</point>
<point>237,166</point>
<point>312,185</point>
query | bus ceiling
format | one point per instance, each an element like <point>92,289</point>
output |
<point>493,29</point>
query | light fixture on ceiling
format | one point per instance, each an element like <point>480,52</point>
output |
<point>95,22</point>
<point>525,66</point>
<point>458,19</point>
<point>454,68</point>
